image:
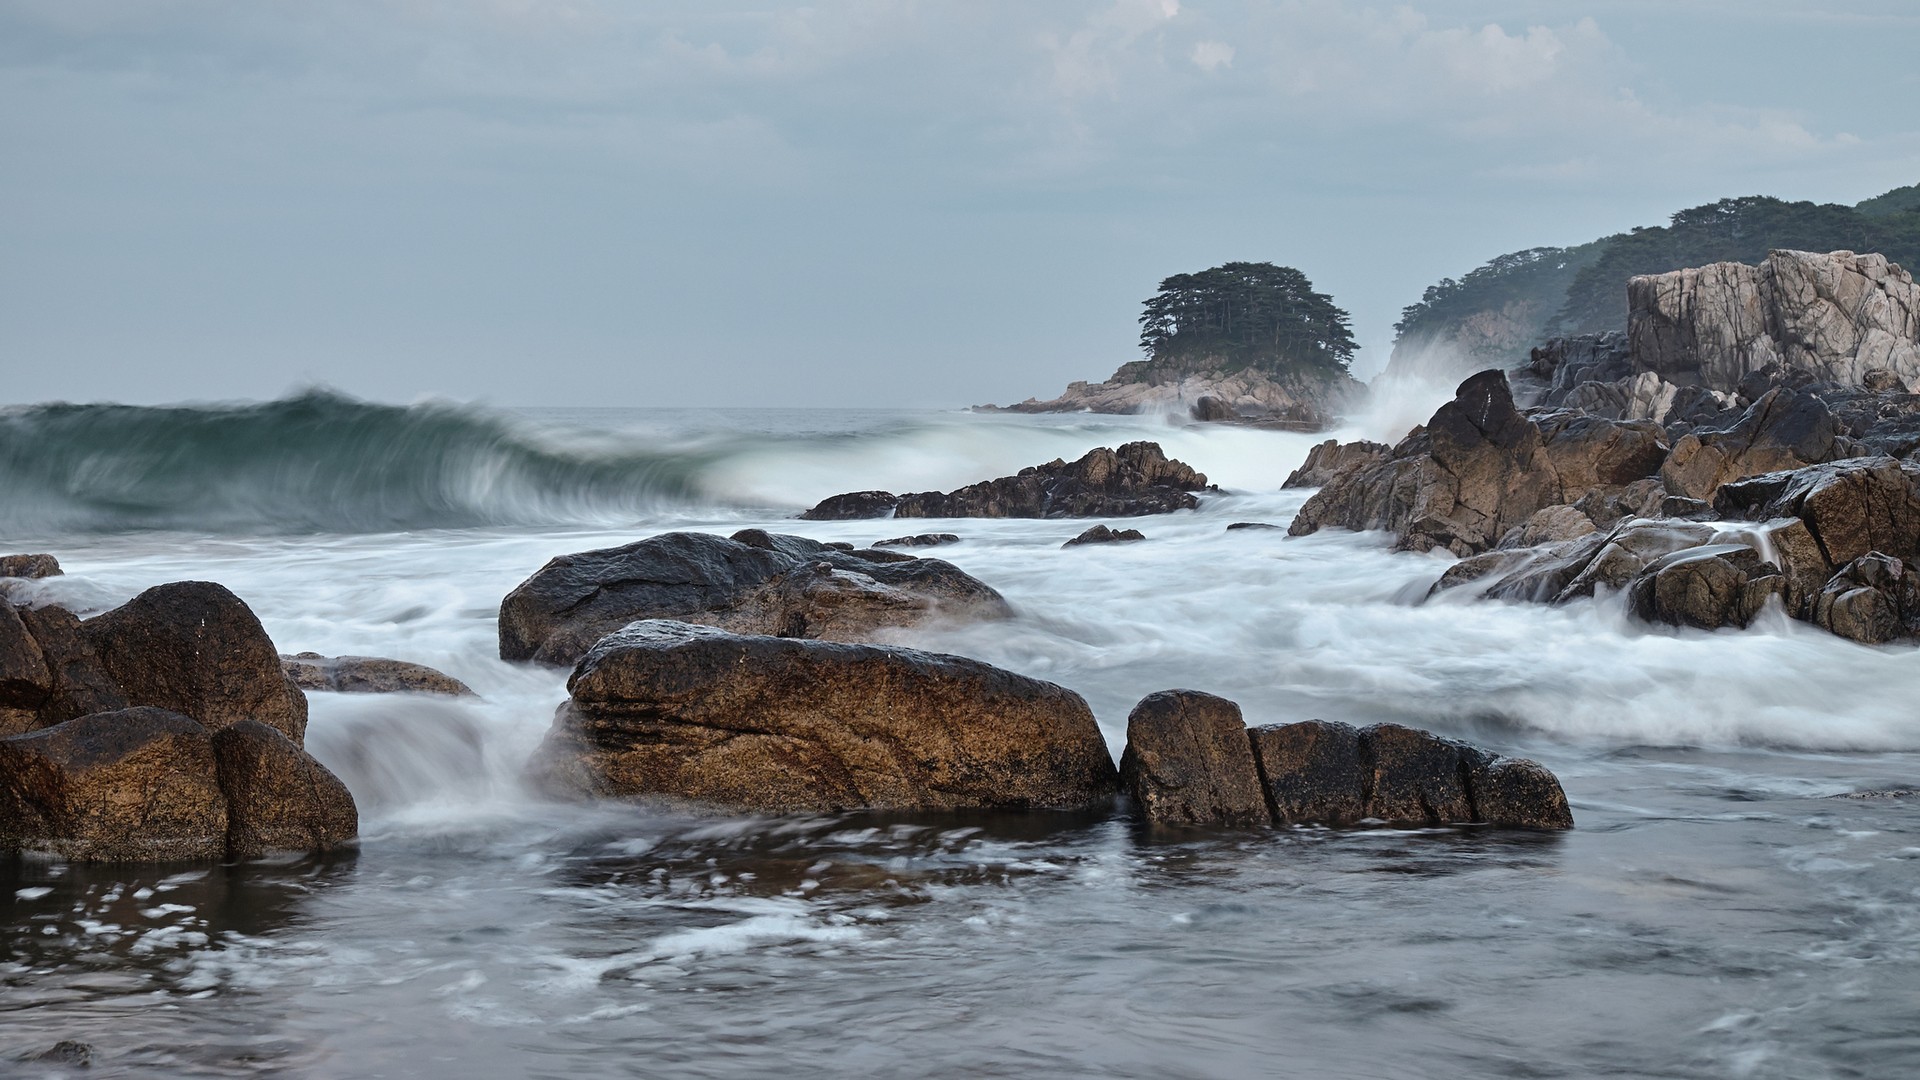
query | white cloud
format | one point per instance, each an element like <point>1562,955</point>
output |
<point>1208,55</point>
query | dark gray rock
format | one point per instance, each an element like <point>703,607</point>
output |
<point>752,582</point>
<point>1134,480</point>
<point>1312,772</point>
<point>1331,458</point>
<point>1102,534</point>
<point>919,540</point>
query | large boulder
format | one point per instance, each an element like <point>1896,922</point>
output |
<point>278,797</point>
<point>1189,762</point>
<point>1311,772</point>
<point>1481,468</point>
<point>29,566</point>
<point>25,681</point>
<point>194,648</point>
<point>1836,316</point>
<point>1136,479</point>
<point>368,675</point>
<point>1873,599</point>
<point>1707,587</point>
<point>133,785</point>
<point>747,722</point>
<point>753,582</point>
<point>79,684</point>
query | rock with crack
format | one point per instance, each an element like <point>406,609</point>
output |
<point>1188,761</point>
<point>674,711</point>
<point>752,582</point>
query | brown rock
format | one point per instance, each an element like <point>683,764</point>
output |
<point>1331,458</point>
<point>1517,793</point>
<point>25,681</point>
<point>1850,507</point>
<point>1782,430</point>
<point>1312,772</point>
<point>195,648</point>
<point>278,797</point>
<point>753,582</point>
<point>29,566</point>
<point>80,686</point>
<point>1416,776</point>
<point>853,506</point>
<point>673,710</point>
<point>368,675</point>
<point>136,784</point>
<point>1189,762</point>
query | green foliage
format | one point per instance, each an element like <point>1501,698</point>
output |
<point>1898,201</point>
<point>1731,230</point>
<point>1246,315</point>
<point>1532,280</point>
<point>1584,289</point>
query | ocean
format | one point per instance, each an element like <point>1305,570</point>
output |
<point>1716,912</point>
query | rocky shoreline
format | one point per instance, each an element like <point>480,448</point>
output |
<point>1291,402</point>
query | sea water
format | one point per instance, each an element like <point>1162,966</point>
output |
<point>1716,913</point>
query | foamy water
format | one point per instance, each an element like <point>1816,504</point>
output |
<point>1713,915</point>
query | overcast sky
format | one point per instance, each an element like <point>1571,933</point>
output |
<point>864,203</point>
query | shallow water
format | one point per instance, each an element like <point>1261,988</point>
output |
<point>1714,914</point>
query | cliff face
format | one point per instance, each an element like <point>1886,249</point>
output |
<point>1304,400</point>
<point>1835,316</point>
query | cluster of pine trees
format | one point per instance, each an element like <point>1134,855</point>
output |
<point>1583,289</point>
<point>1242,315</point>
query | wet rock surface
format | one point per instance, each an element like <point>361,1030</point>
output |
<point>1188,761</point>
<point>194,648</point>
<point>1188,755</point>
<point>1133,480</point>
<point>1329,458</point>
<point>919,540</point>
<point>752,582</point>
<point>1103,534</point>
<point>675,711</point>
<point>29,566</point>
<point>278,797</point>
<point>368,675</point>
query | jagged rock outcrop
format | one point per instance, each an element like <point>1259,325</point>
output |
<point>1103,534</point>
<point>671,710</point>
<point>753,582</point>
<point>1850,507</point>
<point>1836,316</point>
<point>919,540</point>
<point>1304,402</point>
<point>368,675</point>
<point>194,648</point>
<point>1190,760</point>
<point>1333,457</point>
<point>1782,430</point>
<point>1134,480</point>
<point>1480,468</point>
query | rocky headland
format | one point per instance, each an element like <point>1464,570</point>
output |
<point>1297,402</point>
<point>1747,444</point>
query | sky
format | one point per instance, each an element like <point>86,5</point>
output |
<point>864,203</point>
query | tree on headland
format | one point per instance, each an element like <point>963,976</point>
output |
<point>1242,315</point>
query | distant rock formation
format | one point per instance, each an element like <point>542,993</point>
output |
<point>1303,402</point>
<point>1135,480</point>
<point>368,675</point>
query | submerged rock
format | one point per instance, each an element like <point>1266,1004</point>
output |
<point>918,540</point>
<point>748,722</point>
<point>1188,761</point>
<point>368,675</point>
<point>194,648</point>
<point>1135,480</point>
<point>1102,534</point>
<point>753,582</point>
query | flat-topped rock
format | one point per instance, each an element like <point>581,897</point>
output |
<point>1133,480</point>
<point>752,582</point>
<point>368,675</point>
<point>747,722</point>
